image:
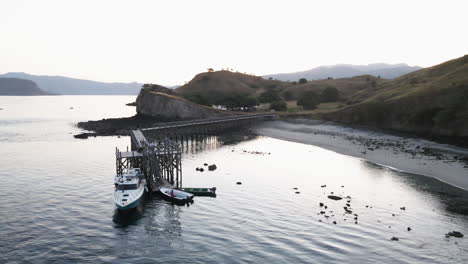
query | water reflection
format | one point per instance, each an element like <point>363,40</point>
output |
<point>154,213</point>
<point>194,144</point>
<point>453,199</point>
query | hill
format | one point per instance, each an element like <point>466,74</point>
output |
<point>383,70</point>
<point>15,86</point>
<point>225,82</point>
<point>228,88</point>
<point>430,102</point>
<point>70,86</point>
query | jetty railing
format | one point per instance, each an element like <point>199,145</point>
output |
<point>174,130</point>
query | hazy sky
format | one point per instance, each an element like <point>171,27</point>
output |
<point>168,42</point>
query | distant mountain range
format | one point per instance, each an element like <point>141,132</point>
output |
<point>15,86</point>
<point>388,71</point>
<point>70,86</point>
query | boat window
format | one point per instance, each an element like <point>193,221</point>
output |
<point>127,187</point>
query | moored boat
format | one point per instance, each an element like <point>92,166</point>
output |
<point>176,196</point>
<point>129,189</point>
<point>201,191</point>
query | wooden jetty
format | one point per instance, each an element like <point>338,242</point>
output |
<point>158,154</point>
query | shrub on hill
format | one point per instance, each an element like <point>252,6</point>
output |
<point>288,95</point>
<point>309,100</point>
<point>230,101</point>
<point>279,105</point>
<point>269,96</point>
<point>330,94</point>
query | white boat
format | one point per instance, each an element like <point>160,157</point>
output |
<point>176,196</point>
<point>129,189</point>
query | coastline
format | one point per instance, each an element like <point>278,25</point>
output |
<point>444,162</point>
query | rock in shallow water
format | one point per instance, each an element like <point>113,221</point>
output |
<point>334,197</point>
<point>454,234</point>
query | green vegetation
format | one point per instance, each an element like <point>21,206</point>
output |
<point>230,101</point>
<point>309,100</point>
<point>330,94</point>
<point>279,106</point>
<point>302,80</point>
<point>288,96</point>
<point>269,96</point>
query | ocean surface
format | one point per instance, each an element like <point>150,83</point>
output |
<point>56,199</point>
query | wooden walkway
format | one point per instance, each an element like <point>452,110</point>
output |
<point>159,156</point>
<point>175,130</point>
<point>211,121</point>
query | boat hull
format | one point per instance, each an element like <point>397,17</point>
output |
<point>130,205</point>
<point>187,197</point>
<point>201,191</point>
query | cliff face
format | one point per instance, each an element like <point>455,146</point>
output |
<point>15,86</point>
<point>170,108</point>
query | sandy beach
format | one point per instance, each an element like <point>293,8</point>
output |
<point>413,155</point>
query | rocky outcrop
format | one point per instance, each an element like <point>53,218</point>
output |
<point>170,107</point>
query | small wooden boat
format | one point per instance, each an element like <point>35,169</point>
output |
<point>201,191</point>
<point>176,196</point>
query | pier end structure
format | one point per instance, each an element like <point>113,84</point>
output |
<point>158,154</point>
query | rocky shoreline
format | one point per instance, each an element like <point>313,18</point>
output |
<point>444,162</point>
<point>116,126</point>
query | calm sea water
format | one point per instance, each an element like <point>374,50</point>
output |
<point>56,200</point>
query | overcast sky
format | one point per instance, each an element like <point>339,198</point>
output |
<point>168,42</point>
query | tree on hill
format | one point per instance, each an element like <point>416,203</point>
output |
<point>210,70</point>
<point>309,100</point>
<point>330,94</point>
<point>302,80</point>
<point>269,96</point>
<point>279,105</point>
<point>198,98</point>
<point>287,95</point>
<point>236,101</point>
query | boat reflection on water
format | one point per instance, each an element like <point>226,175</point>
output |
<point>153,208</point>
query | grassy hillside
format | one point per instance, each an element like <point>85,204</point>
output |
<point>430,102</point>
<point>217,87</point>
<point>222,87</point>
